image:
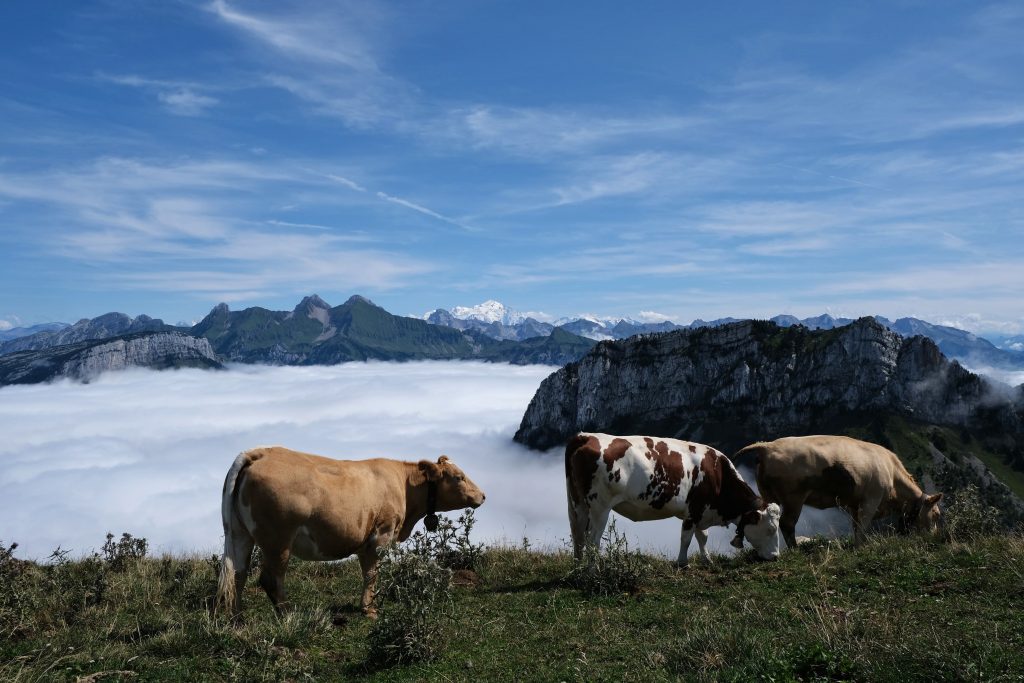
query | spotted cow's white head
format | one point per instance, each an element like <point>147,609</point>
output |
<point>761,529</point>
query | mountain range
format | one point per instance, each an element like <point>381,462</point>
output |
<point>314,332</point>
<point>495,320</point>
<point>16,332</point>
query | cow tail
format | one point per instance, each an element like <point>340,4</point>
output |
<point>575,443</point>
<point>750,456</point>
<point>226,597</point>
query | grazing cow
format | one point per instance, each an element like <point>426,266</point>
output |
<point>863,478</point>
<point>644,478</point>
<point>318,508</point>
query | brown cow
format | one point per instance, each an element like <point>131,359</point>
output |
<point>318,508</point>
<point>863,478</point>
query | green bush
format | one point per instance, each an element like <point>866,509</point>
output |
<point>125,552</point>
<point>17,598</point>
<point>613,569</point>
<point>968,516</point>
<point>450,545</point>
<point>414,603</point>
<point>75,585</point>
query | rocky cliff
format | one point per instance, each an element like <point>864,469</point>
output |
<point>102,327</point>
<point>86,360</point>
<point>752,380</point>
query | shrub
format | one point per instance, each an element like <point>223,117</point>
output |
<point>450,545</point>
<point>968,516</point>
<point>75,585</point>
<point>414,604</point>
<point>17,599</point>
<point>613,569</point>
<point>125,552</point>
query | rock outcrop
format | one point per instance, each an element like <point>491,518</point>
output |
<point>751,380</point>
<point>86,360</point>
<point>102,327</point>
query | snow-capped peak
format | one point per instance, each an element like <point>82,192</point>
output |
<point>602,321</point>
<point>489,311</point>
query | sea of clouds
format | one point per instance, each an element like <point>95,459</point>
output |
<point>146,452</point>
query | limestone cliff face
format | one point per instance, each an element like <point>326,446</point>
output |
<point>752,380</point>
<point>86,360</point>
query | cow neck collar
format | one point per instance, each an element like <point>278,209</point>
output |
<point>737,541</point>
<point>430,521</point>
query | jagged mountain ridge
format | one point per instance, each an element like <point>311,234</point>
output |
<point>85,360</point>
<point>763,377</point>
<point>493,320</point>
<point>18,332</point>
<point>316,334</point>
<point>101,327</point>
<point>960,344</point>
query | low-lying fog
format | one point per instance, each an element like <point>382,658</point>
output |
<point>146,452</point>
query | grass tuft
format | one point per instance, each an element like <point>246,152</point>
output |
<point>611,570</point>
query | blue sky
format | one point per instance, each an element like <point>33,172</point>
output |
<point>683,160</point>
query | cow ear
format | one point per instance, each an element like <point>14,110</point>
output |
<point>933,499</point>
<point>430,470</point>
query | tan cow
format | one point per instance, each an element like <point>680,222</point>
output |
<point>863,478</point>
<point>318,508</point>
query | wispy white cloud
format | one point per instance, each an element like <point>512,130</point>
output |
<point>991,277</point>
<point>653,317</point>
<point>185,228</point>
<point>307,36</point>
<point>179,97</point>
<point>351,184</point>
<point>422,209</point>
<point>536,132</point>
<point>391,199</point>
<point>187,102</point>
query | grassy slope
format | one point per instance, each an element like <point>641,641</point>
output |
<point>896,609</point>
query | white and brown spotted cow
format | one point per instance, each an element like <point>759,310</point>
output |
<point>290,503</point>
<point>645,478</point>
<point>862,478</point>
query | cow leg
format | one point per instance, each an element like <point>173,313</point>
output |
<point>368,560</point>
<point>271,580</point>
<point>685,536</point>
<point>578,516</point>
<point>787,523</point>
<point>862,518</point>
<point>241,556</point>
<point>598,520</point>
<point>702,543</point>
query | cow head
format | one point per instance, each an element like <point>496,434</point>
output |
<point>928,513</point>
<point>454,489</point>
<point>761,529</point>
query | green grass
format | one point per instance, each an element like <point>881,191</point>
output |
<point>895,609</point>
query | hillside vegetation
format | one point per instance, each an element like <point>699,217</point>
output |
<point>896,609</point>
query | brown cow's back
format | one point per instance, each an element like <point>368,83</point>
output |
<point>339,504</point>
<point>833,468</point>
